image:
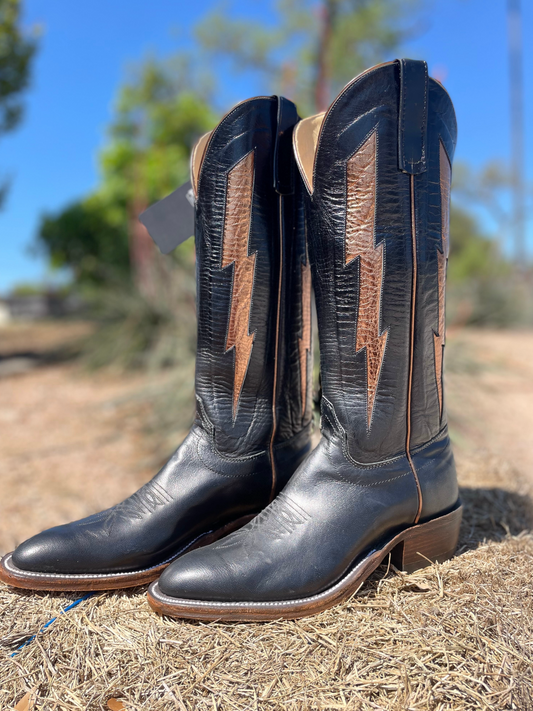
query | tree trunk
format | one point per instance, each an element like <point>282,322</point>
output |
<point>141,251</point>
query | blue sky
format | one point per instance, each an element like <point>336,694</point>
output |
<point>84,54</point>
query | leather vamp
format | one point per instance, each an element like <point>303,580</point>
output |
<point>307,538</point>
<point>197,491</point>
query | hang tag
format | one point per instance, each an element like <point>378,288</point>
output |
<point>171,220</point>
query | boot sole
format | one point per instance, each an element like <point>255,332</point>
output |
<point>412,549</point>
<point>56,582</point>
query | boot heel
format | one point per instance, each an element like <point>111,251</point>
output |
<point>427,543</point>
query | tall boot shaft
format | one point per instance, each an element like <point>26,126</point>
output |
<point>252,386</point>
<point>377,168</point>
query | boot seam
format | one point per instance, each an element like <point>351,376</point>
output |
<point>209,429</point>
<point>219,473</point>
<point>346,453</point>
<point>226,457</point>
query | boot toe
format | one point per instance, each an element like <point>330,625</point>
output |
<point>43,553</point>
<point>200,575</point>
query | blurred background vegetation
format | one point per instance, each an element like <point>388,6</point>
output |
<point>16,52</point>
<point>143,303</point>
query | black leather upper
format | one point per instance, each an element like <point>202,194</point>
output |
<point>375,471</point>
<point>251,126</point>
<point>230,464</point>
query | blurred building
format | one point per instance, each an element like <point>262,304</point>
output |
<point>34,307</point>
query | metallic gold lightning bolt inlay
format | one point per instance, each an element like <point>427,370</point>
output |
<point>304,341</point>
<point>359,242</point>
<point>442,257</point>
<point>235,251</point>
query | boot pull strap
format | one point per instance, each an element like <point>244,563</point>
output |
<point>287,118</point>
<point>412,124</point>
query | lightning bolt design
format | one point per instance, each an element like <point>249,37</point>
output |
<point>442,257</point>
<point>304,341</point>
<point>235,251</point>
<point>359,243</point>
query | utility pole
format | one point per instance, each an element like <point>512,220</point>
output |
<point>327,17</point>
<point>514,30</point>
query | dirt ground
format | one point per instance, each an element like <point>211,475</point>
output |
<point>67,447</point>
<point>489,393</point>
<point>73,442</point>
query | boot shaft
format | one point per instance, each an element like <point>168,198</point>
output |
<point>253,303</point>
<point>377,169</point>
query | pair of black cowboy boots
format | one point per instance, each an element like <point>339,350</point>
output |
<point>365,186</point>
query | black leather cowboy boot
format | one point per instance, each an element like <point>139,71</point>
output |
<point>253,392</point>
<point>382,480</point>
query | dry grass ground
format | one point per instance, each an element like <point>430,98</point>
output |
<point>454,636</point>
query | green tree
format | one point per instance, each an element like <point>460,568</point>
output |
<point>16,53</point>
<point>312,50</point>
<point>90,237</point>
<point>482,287</point>
<point>490,189</point>
<point>473,255</point>
<point>157,120</point>
<point>159,115</point>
